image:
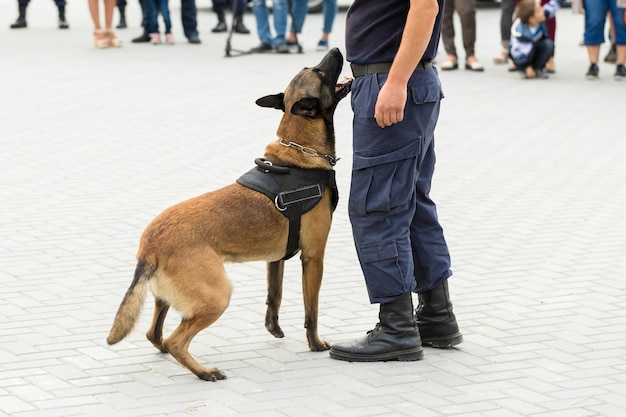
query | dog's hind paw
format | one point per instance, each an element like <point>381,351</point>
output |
<point>158,343</point>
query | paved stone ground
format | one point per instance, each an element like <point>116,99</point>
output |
<point>94,144</point>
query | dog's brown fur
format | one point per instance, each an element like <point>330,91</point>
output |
<point>182,252</point>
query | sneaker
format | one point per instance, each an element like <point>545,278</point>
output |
<point>620,72</point>
<point>155,38</point>
<point>240,27</point>
<point>592,73</point>
<point>541,74</point>
<point>322,45</point>
<point>194,39</point>
<point>142,39</point>
<point>611,56</point>
<point>220,27</point>
<point>282,48</point>
<point>169,39</point>
<point>293,46</point>
<point>19,23</point>
<point>122,23</point>
<point>262,48</point>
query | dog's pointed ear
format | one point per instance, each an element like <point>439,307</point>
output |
<point>308,107</point>
<point>273,101</point>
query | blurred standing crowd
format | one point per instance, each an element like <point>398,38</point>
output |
<point>283,40</point>
<point>528,32</point>
<point>527,29</point>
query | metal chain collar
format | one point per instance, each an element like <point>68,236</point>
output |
<point>309,151</point>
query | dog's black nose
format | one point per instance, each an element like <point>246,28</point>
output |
<point>335,51</point>
<point>333,60</point>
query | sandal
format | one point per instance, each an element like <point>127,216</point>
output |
<point>100,40</point>
<point>114,41</point>
<point>450,64</point>
<point>502,57</point>
<point>474,66</point>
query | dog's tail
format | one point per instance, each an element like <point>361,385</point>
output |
<point>132,304</point>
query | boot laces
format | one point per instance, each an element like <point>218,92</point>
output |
<point>375,329</point>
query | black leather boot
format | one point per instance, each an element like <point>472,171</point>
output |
<point>122,23</point>
<point>221,23</point>
<point>239,26</point>
<point>21,19</point>
<point>62,21</point>
<point>435,319</point>
<point>395,337</point>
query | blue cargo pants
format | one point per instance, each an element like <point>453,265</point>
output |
<point>396,230</point>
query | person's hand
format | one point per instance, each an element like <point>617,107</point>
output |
<point>390,105</point>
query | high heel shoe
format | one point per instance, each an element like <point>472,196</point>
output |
<point>502,57</point>
<point>451,63</point>
<point>100,41</point>
<point>114,41</point>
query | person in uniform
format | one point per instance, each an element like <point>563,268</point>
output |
<point>400,244</point>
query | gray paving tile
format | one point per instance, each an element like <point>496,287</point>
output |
<point>94,144</point>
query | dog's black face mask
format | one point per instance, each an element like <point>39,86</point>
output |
<point>313,91</point>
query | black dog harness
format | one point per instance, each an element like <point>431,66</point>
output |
<point>294,192</point>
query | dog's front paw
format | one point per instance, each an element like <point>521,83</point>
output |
<point>319,346</point>
<point>274,328</point>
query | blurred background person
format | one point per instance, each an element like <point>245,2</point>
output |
<point>21,19</point>
<point>466,10</point>
<point>103,37</point>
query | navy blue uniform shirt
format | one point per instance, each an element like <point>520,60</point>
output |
<point>374,30</point>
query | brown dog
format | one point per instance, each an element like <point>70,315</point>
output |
<point>182,252</point>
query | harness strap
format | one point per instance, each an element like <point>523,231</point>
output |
<point>286,198</point>
<point>291,204</point>
<point>293,240</point>
<point>294,192</point>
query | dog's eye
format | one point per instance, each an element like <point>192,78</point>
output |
<point>320,72</point>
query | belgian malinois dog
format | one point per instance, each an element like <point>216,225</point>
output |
<point>182,251</point>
